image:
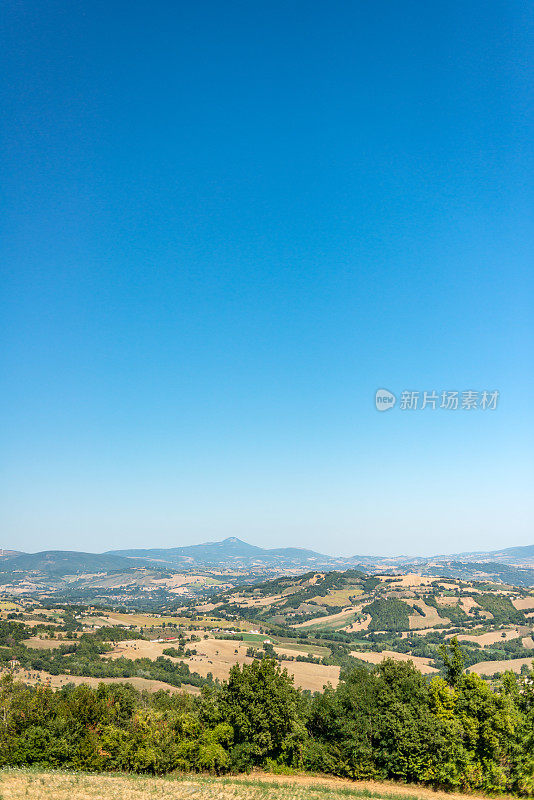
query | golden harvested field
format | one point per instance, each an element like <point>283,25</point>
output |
<point>248,601</point>
<point>39,785</point>
<point>468,604</point>
<point>139,648</point>
<point>290,648</point>
<point>431,616</point>
<point>424,631</point>
<point>524,603</point>
<point>32,622</point>
<point>444,600</point>
<point>422,664</point>
<point>491,637</point>
<point>312,676</point>
<point>490,667</point>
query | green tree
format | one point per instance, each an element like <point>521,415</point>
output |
<point>454,661</point>
<point>262,706</point>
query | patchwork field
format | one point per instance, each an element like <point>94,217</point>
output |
<point>155,621</point>
<point>295,618</point>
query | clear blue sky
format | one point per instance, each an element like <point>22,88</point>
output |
<point>224,226</point>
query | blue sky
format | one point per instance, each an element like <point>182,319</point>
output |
<point>224,226</point>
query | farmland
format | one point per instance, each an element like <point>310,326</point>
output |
<point>315,625</point>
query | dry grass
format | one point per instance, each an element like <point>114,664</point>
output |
<point>248,601</point>
<point>155,621</point>
<point>468,604</point>
<point>412,579</point>
<point>39,785</point>
<point>445,600</point>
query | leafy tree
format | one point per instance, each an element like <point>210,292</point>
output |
<point>262,705</point>
<point>454,661</point>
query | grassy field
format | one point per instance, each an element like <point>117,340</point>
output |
<point>18,784</point>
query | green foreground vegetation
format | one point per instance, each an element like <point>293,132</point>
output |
<point>391,722</point>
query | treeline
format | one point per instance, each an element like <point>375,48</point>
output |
<point>385,723</point>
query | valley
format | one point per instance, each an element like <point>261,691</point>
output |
<point>192,626</point>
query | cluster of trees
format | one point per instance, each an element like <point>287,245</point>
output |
<point>388,615</point>
<point>387,723</point>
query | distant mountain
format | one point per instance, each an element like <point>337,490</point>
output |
<point>233,552</point>
<point>514,565</point>
<point>509,566</point>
